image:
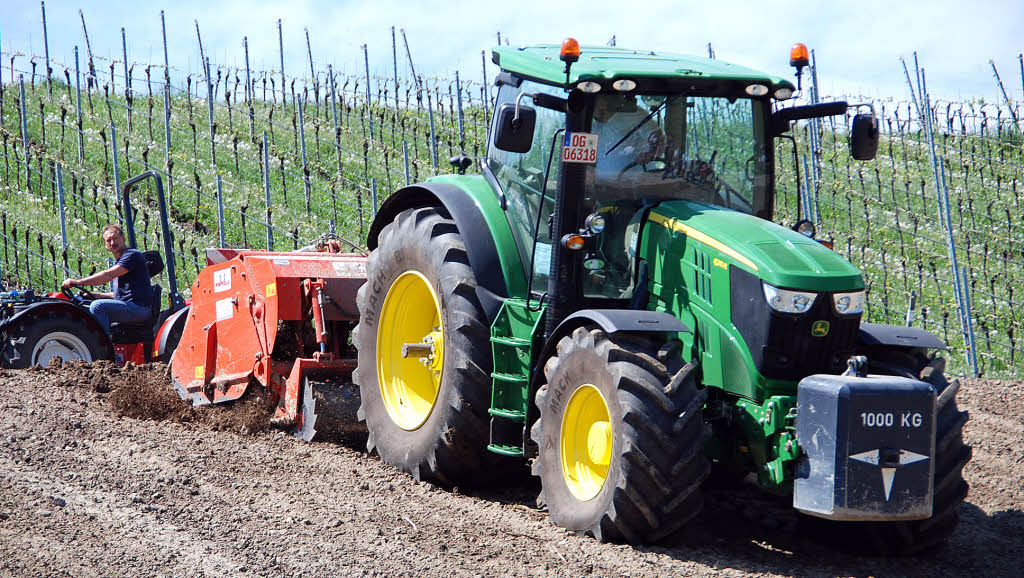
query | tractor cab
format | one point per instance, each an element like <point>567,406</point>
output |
<point>608,135</point>
<point>632,152</point>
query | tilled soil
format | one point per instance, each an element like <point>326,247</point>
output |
<point>104,471</point>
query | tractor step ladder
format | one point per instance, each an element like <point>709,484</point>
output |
<point>512,335</point>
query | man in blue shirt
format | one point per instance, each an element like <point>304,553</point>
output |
<point>132,296</point>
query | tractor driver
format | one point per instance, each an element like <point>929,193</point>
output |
<point>132,297</point>
<point>614,117</point>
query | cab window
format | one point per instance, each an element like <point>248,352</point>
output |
<point>521,178</point>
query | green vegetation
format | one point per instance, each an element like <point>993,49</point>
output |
<point>882,215</point>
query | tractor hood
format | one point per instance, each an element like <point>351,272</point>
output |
<point>780,256</point>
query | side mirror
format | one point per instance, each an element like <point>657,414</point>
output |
<point>513,134</point>
<point>864,137</point>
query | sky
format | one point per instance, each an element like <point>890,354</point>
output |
<point>857,46</point>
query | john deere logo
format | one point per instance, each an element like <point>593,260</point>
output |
<point>819,329</point>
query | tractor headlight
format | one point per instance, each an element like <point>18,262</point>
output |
<point>849,303</point>
<point>786,301</point>
<point>595,223</point>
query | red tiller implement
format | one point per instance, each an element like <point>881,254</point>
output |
<point>282,319</point>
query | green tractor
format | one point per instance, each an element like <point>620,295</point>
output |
<point>611,301</point>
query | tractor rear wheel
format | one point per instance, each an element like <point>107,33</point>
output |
<point>424,353</point>
<point>620,439</point>
<point>951,455</point>
<point>38,338</point>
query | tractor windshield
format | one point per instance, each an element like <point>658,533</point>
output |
<point>679,147</point>
<point>666,147</point>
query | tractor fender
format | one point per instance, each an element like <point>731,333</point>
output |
<point>167,333</point>
<point>629,320</point>
<point>610,321</point>
<point>76,312</point>
<point>480,246</point>
<point>874,334</point>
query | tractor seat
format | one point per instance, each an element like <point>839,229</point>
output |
<point>124,333</point>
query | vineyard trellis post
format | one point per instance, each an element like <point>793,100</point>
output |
<point>117,174</point>
<point>808,205</point>
<point>78,111</point>
<point>405,155</point>
<point>366,62</point>
<point>373,194</point>
<point>1006,97</point>
<point>60,204</point>
<point>24,134</point>
<point>973,350</point>
<point>1020,60</point>
<point>485,89</point>
<point>213,125</point>
<point>312,70</point>
<point>88,49</point>
<point>168,163</point>
<point>337,149</point>
<point>462,125</point>
<point>815,128</point>
<point>433,133</point>
<point>127,82</point>
<point>942,196</point>
<point>266,191</point>
<point>280,46</point>
<point>46,49</point>
<point>167,65</point>
<point>300,102</point>
<point>951,244</point>
<point>249,91</point>
<point>220,212</point>
<point>202,53</point>
<point>394,61</point>
<point>911,303</point>
<point>7,257</point>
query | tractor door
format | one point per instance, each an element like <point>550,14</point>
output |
<point>520,178</point>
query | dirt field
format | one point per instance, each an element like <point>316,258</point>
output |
<point>93,483</point>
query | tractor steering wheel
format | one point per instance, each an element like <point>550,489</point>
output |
<point>84,294</point>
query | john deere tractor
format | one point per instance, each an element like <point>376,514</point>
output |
<point>611,301</point>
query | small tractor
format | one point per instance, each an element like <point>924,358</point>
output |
<point>610,302</point>
<point>35,329</point>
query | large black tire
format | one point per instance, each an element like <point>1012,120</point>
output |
<point>656,462</point>
<point>51,332</point>
<point>951,455</point>
<point>450,446</point>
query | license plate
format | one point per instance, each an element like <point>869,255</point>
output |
<point>580,147</point>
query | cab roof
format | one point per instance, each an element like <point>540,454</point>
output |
<point>605,64</point>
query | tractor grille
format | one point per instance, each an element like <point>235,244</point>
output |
<point>785,346</point>
<point>793,352</point>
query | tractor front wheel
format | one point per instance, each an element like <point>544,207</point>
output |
<point>620,439</point>
<point>424,353</point>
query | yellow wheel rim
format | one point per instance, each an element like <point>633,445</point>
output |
<point>411,314</point>
<point>586,442</point>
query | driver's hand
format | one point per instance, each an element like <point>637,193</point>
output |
<point>69,283</point>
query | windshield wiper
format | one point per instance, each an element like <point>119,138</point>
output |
<point>642,122</point>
